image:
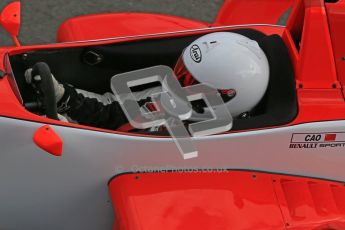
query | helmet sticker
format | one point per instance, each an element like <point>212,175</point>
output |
<point>195,53</point>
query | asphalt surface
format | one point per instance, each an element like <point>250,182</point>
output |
<point>41,18</point>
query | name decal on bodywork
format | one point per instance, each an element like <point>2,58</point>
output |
<point>317,140</point>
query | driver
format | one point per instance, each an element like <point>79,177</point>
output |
<point>231,63</point>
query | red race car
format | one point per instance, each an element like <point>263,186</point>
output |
<point>283,167</point>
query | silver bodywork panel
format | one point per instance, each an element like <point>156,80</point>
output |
<point>40,191</point>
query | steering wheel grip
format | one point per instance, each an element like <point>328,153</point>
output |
<point>46,86</point>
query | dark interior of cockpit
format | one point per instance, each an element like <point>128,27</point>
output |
<point>91,68</point>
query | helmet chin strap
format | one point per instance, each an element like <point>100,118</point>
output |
<point>227,94</point>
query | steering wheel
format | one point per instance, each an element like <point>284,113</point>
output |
<point>45,90</point>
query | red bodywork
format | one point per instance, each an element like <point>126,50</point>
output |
<point>336,20</point>
<point>226,200</point>
<point>125,24</point>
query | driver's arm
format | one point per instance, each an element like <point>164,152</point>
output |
<point>88,110</point>
<point>83,107</point>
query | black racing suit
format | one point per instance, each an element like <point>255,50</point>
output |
<point>102,111</point>
<point>91,111</point>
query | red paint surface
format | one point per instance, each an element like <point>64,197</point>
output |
<point>336,17</point>
<point>47,139</point>
<point>316,67</point>
<point>225,200</point>
<point>100,26</point>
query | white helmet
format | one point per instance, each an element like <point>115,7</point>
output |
<point>229,62</point>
